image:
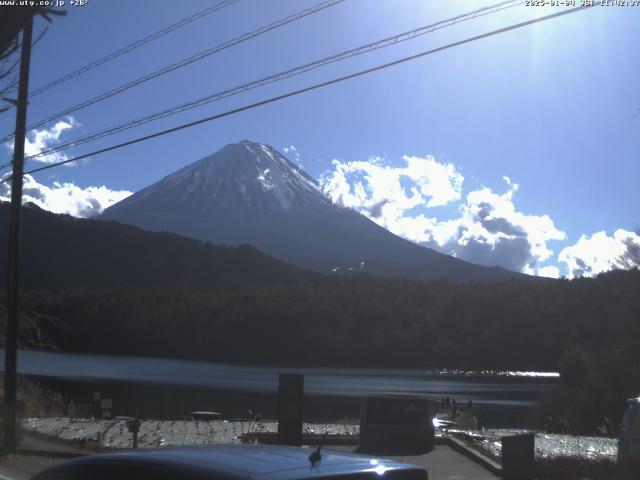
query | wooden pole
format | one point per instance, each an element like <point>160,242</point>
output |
<point>15,217</point>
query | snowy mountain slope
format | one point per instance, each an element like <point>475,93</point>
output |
<point>249,193</point>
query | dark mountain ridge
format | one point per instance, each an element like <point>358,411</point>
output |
<point>61,251</point>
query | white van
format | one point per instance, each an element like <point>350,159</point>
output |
<point>629,442</point>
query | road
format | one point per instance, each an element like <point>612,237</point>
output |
<point>443,463</point>
<point>23,467</point>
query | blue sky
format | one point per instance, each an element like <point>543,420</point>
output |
<point>526,144</point>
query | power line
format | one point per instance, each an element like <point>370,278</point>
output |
<point>312,87</point>
<point>184,62</point>
<point>143,41</point>
<point>395,39</point>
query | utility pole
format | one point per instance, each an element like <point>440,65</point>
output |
<point>15,213</point>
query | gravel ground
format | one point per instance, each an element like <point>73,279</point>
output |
<point>554,445</point>
<point>154,433</point>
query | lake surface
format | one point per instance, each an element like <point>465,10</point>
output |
<point>504,389</point>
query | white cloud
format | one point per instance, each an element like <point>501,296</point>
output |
<point>597,253</point>
<point>292,152</point>
<point>508,181</point>
<point>488,229</point>
<point>549,271</point>
<point>37,141</point>
<point>66,197</point>
<point>60,197</point>
<point>491,231</point>
<point>386,191</point>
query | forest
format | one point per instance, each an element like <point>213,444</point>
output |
<point>585,328</point>
<point>102,287</point>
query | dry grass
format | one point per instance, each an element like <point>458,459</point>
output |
<point>34,400</point>
<point>575,468</point>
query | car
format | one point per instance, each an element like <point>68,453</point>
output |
<point>445,425</point>
<point>231,462</point>
<point>205,416</point>
<point>629,442</point>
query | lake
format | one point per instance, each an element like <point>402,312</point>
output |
<point>500,389</point>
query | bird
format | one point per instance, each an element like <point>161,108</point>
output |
<point>316,456</point>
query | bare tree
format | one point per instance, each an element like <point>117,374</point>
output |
<point>33,327</point>
<point>12,21</point>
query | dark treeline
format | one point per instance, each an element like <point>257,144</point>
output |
<point>587,328</point>
<point>122,290</point>
<point>357,321</point>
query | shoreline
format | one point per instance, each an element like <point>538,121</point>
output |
<point>100,435</point>
<point>492,406</point>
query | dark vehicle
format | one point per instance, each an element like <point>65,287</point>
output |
<point>629,442</point>
<point>205,416</point>
<point>396,425</point>
<point>230,462</point>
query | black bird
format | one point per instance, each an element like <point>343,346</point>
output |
<point>316,456</point>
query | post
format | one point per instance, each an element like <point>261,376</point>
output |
<point>133,425</point>
<point>11,334</point>
<point>518,457</point>
<point>134,428</point>
<point>290,408</point>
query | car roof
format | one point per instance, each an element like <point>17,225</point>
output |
<point>250,461</point>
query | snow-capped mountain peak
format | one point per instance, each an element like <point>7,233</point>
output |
<point>246,176</point>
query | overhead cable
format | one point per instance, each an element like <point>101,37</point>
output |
<point>312,87</point>
<point>385,42</point>
<point>143,41</point>
<point>182,63</point>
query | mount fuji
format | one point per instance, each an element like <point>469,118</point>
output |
<point>249,193</point>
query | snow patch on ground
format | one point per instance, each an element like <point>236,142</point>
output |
<point>265,180</point>
<point>159,433</point>
<point>156,433</point>
<point>550,445</point>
